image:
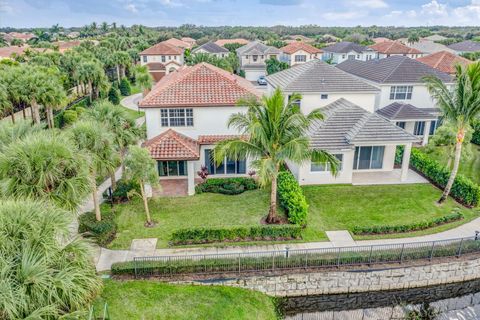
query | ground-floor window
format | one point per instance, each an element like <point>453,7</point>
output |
<point>419,128</point>
<point>368,158</point>
<point>172,168</point>
<point>325,166</point>
<point>228,166</point>
<point>434,125</point>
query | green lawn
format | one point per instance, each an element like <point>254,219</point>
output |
<point>149,300</point>
<point>340,207</point>
<point>469,167</point>
<point>132,114</point>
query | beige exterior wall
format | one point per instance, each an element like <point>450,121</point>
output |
<point>308,57</point>
<point>412,56</point>
<point>218,55</point>
<point>144,59</point>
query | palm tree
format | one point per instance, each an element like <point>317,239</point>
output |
<point>459,105</point>
<point>11,132</point>
<point>141,168</point>
<point>124,129</point>
<point>45,274</point>
<point>277,133</point>
<point>95,140</point>
<point>91,75</point>
<point>45,165</point>
<point>143,78</point>
<point>50,94</point>
<point>5,103</point>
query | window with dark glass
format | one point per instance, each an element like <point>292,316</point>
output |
<point>163,58</point>
<point>401,124</point>
<point>176,117</point>
<point>325,166</point>
<point>401,92</point>
<point>144,58</point>
<point>300,58</point>
<point>324,96</point>
<point>419,128</point>
<point>228,166</point>
<point>368,158</point>
<point>294,102</point>
<point>172,168</point>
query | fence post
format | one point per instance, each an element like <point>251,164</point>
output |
<point>273,260</point>
<point>431,251</point>
<point>135,266</point>
<point>238,263</point>
<point>306,259</point>
<point>205,263</point>
<point>338,258</point>
<point>370,256</point>
<point>401,253</point>
<point>459,251</point>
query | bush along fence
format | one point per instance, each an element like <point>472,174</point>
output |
<point>386,229</point>
<point>291,198</point>
<point>272,261</point>
<point>205,235</point>
<point>463,190</point>
<point>103,232</point>
<point>229,186</point>
<point>476,131</point>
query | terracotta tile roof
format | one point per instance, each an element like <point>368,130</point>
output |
<point>298,45</point>
<point>6,52</point>
<point>380,40</point>
<point>178,43</point>
<point>65,45</point>
<point>202,85</point>
<point>444,61</point>
<point>171,145</point>
<point>156,66</point>
<point>162,48</point>
<point>214,138</point>
<point>189,40</point>
<point>21,36</point>
<point>394,47</point>
<point>222,42</point>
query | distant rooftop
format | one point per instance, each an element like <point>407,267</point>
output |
<point>345,47</point>
<point>393,47</point>
<point>211,47</point>
<point>258,48</point>
<point>403,112</point>
<point>466,46</point>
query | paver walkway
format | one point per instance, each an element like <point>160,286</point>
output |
<point>131,102</point>
<point>341,238</point>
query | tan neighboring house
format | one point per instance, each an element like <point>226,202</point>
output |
<point>67,45</point>
<point>179,43</point>
<point>223,42</point>
<point>161,59</point>
<point>395,48</point>
<point>444,61</point>
<point>190,41</point>
<point>253,56</point>
<point>380,40</point>
<point>299,52</point>
<point>18,35</point>
<point>298,38</point>
<point>9,52</point>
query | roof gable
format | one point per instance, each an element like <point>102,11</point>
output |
<point>404,112</point>
<point>257,47</point>
<point>171,145</point>
<point>444,61</point>
<point>297,46</point>
<point>345,47</point>
<point>211,47</point>
<point>467,46</point>
<point>394,47</point>
<point>162,48</point>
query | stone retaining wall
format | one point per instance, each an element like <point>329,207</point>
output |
<point>352,281</point>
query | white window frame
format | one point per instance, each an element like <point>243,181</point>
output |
<point>325,166</point>
<point>300,58</point>
<point>396,92</point>
<point>324,96</point>
<point>357,160</point>
<point>173,117</point>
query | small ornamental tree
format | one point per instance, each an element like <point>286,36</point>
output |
<point>124,87</point>
<point>273,66</point>
<point>141,168</point>
<point>114,95</point>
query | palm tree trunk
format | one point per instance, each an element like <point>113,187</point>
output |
<point>145,203</point>
<point>13,115</point>
<point>49,113</point>
<point>96,204</point>
<point>24,113</point>
<point>118,73</point>
<point>35,113</point>
<point>272,213</point>
<point>91,90</point>
<point>453,174</point>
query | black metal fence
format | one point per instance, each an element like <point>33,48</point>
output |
<point>270,261</point>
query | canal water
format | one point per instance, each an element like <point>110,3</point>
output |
<point>450,301</point>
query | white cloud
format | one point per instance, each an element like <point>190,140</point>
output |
<point>371,4</point>
<point>5,7</point>
<point>345,15</point>
<point>131,7</point>
<point>434,8</point>
<point>469,14</point>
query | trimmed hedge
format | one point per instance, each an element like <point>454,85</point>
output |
<point>454,216</point>
<point>463,189</point>
<point>103,232</point>
<point>292,198</point>
<point>121,192</point>
<point>206,235</point>
<point>230,186</point>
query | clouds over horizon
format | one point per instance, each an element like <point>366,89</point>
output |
<point>44,13</point>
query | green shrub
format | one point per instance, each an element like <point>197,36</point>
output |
<point>476,131</point>
<point>230,186</point>
<point>114,95</point>
<point>121,192</point>
<point>125,88</point>
<point>463,190</point>
<point>292,198</point>
<point>386,229</point>
<point>209,235</point>
<point>79,110</point>
<point>103,232</point>
<point>69,117</point>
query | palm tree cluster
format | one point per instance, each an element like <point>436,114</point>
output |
<point>230,63</point>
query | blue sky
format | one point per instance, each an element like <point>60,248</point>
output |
<point>44,13</point>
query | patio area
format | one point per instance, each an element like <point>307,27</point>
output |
<point>386,177</point>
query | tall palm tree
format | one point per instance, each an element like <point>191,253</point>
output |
<point>50,93</point>
<point>125,132</point>
<point>277,133</point>
<point>92,76</point>
<point>12,132</point>
<point>6,105</point>
<point>45,274</point>
<point>459,105</point>
<point>143,78</point>
<point>45,165</point>
<point>95,140</point>
<point>141,168</point>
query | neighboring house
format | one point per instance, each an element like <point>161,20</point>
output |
<point>212,49</point>
<point>320,84</point>
<point>162,59</point>
<point>400,80</point>
<point>67,45</point>
<point>468,46</point>
<point>179,43</point>
<point>298,38</point>
<point>364,143</point>
<point>444,61</point>
<point>395,48</point>
<point>299,52</point>
<point>428,46</point>
<point>186,114</point>
<point>190,41</point>
<point>435,37</point>
<point>252,59</point>
<point>223,42</point>
<point>18,35</point>
<point>73,35</point>
<point>341,51</point>
<point>9,52</point>
<point>380,40</point>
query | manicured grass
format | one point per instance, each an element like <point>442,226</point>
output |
<point>132,114</point>
<point>172,213</point>
<point>468,167</point>
<point>154,300</point>
<point>340,207</point>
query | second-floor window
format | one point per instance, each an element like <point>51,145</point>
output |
<point>255,58</point>
<point>294,102</point>
<point>324,96</point>
<point>401,92</point>
<point>163,58</point>
<point>176,117</point>
<point>144,58</point>
<point>300,58</point>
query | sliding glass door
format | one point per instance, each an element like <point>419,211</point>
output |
<point>368,158</point>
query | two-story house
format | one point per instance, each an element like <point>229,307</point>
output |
<point>299,52</point>
<point>162,59</point>
<point>395,48</point>
<point>341,51</point>
<point>400,81</point>
<point>252,59</point>
<point>363,141</point>
<point>186,114</point>
<point>213,49</point>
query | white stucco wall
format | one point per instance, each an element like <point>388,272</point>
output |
<point>218,55</point>
<point>254,74</point>
<point>341,57</point>
<point>420,96</point>
<point>311,101</point>
<point>158,58</point>
<point>249,59</point>
<point>412,56</point>
<point>290,58</point>
<point>206,120</point>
